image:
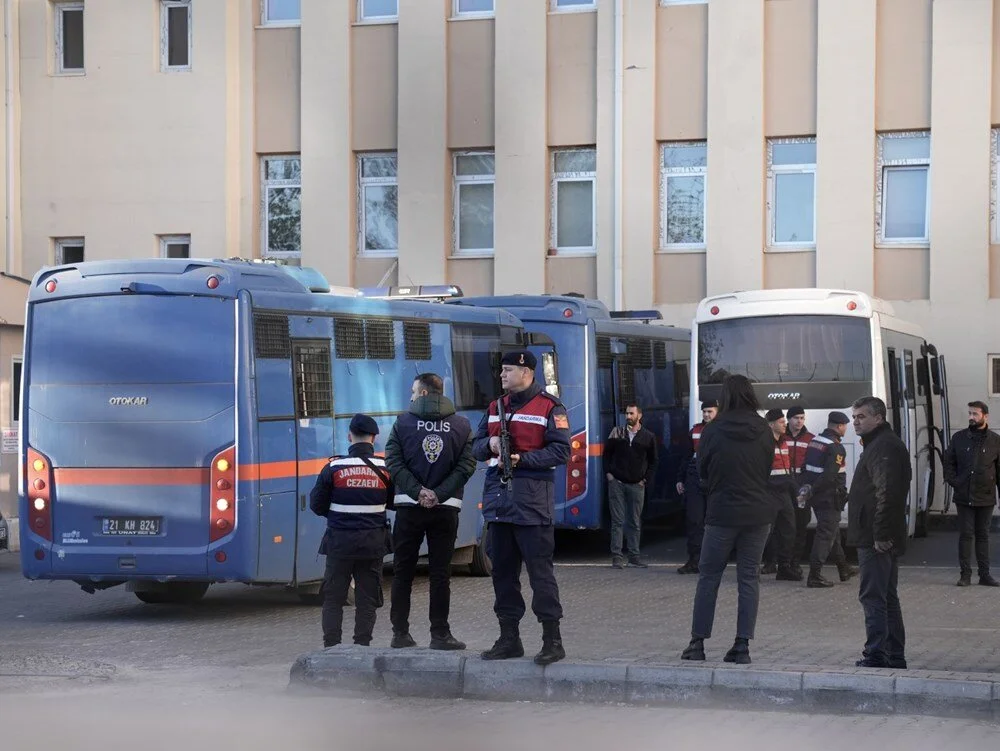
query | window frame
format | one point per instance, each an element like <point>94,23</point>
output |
<point>59,8</point>
<point>990,360</point>
<point>167,240</point>
<point>363,19</point>
<point>995,185</point>
<point>664,3</point>
<point>571,177</point>
<point>457,182</point>
<point>264,185</point>
<point>367,182</point>
<point>554,7</point>
<point>463,14</point>
<point>773,171</point>
<point>883,169</point>
<point>165,66</point>
<point>665,174</point>
<point>16,364</point>
<point>264,21</point>
<point>61,243</point>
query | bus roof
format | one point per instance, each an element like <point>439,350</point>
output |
<point>541,307</point>
<point>804,301</point>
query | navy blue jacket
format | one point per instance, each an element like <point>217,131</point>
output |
<point>353,498</point>
<point>826,471</point>
<point>529,500</point>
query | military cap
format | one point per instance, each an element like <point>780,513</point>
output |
<point>520,357</point>
<point>363,425</point>
<point>838,418</point>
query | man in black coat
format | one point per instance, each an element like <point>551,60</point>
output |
<point>630,461</point>
<point>877,527</point>
<point>972,468</point>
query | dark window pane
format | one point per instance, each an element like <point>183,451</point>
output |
<point>72,39</point>
<point>178,250</point>
<point>177,37</point>
<point>476,362</point>
<point>71,254</point>
<point>15,388</point>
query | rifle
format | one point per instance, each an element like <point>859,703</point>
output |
<point>506,471</point>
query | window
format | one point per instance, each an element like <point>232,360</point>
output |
<point>282,12</point>
<point>378,10</point>
<point>902,211</point>
<point>15,391</point>
<point>378,205</point>
<point>175,246</point>
<point>476,365</point>
<point>574,4</point>
<point>474,178</point>
<point>994,375</point>
<point>69,250</point>
<point>281,207</point>
<point>417,340</point>
<point>574,174</point>
<point>175,35</point>
<point>313,380</point>
<point>473,7</point>
<point>683,2</point>
<point>271,336</point>
<point>380,339</point>
<point>791,190</point>
<point>995,194</point>
<point>683,173</point>
<point>69,37</point>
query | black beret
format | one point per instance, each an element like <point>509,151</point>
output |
<point>363,425</point>
<point>774,414</point>
<point>520,357</point>
<point>838,418</point>
<point>795,411</point>
<point>710,404</point>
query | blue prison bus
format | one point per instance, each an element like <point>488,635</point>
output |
<point>596,362</point>
<point>177,413</point>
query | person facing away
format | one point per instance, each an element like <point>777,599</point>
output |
<point>824,485</point>
<point>352,492</point>
<point>734,460</point>
<point>429,455</point>
<point>630,461</point>
<point>780,545</point>
<point>521,514</point>
<point>972,468</point>
<point>689,487</point>
<point>876,510</point>
<point>798,439</point>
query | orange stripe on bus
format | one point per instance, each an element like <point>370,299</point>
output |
<point>131,476</point>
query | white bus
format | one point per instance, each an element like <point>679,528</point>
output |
<point>822,349</point>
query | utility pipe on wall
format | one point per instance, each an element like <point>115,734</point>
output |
<point>618,281</point>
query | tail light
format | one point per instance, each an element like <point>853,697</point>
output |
<point>576,467</point>
<point>222,495</point>
<point>38,490</point>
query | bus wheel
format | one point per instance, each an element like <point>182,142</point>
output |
<point>920,527</point>
<point>173,593</point>
<point>481,564</point>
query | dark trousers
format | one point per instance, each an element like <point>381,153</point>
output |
<point>510,545</point>
<point>974,523</point>
<point>367,575</point>
<point>694,512</point>
<point>718,545</point>
<point>826,543</point>
<point>440,526</point>
<point>802,518</point>
<point>626,501</point>
<point>885,635</point>
<point>781,544</point>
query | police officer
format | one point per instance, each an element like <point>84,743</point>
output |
<point>798,440</point>
<point>352,492</point>
<point>689,486</point>
<point>520,514</point>
<point>825,486</point>
<point>778,552</point>
<point>429,455</point>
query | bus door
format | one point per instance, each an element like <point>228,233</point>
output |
<point>939,384</point>
<point>547,371</point>
<point>902,414</point>
<point>312,376</point>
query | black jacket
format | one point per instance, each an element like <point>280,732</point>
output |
<point>631,462</point>
<point>972,466</point>
<point>876,505</point>
<point>734,460</point>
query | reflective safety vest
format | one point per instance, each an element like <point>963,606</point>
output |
<point>359,494</point>
<point>781,466</point>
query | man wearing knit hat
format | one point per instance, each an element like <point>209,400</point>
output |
<point>798,439</point>
<point>778,551</point>
<point>689,486</point>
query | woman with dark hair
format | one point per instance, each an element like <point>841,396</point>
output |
<point>734,462</point>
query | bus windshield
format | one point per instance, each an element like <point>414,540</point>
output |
<point>786,349</point>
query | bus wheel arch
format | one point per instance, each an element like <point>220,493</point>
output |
<point>169,593</point>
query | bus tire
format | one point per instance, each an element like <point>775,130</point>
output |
<point>174,593</point>
<point>920,527</point>
<point>481,564</point>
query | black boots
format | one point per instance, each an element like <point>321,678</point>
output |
<point>552,646</point>
<point>446,642</point>
<point>788,573</point>
<point>846,571</point>
<point>740,653</point>
<point>691,567</point>
<point>402,641</point>
<point>507,646</point>
<point>816,580</point>
<point>695,650</point>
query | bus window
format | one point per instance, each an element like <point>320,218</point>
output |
<point>313,380</point>
<point>476,364</point>
<point>910,380</point>
<point>604,356</point>
<point>626,384</point>
<point>551,373</point>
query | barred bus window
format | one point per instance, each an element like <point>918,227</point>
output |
<point>270,336</point>
<point>626,383</point>
<point>417,340</point>
<point>349,336</point>
<point>380,339</point>
<point>313,380</point>
<point>660,355</point>
<point>604,358</point>
<point>641,353</point>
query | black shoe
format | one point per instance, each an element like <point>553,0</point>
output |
<point>508,646</point>
<point>635,561</point>
<point>988,581</point>
<point>965,580</point>
<point>846,572</point>
<point>788,574</point>
<point>363,642</point>
<point>816,581</point>
<point>330,643</point>
<point>695,650</point>
<point>691,567</point>
<point>617,562</point>
<point>897,663</point>
<point>446,642</point>
<point>552,646</point>
<point>768,569</point>
<point>740,653</point>
<point>872,662</point>
<point>402,641</point>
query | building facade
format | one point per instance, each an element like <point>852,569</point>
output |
<point>646,152</point>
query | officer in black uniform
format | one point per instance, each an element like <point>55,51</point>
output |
<point>353,492</point>
<point>521,514</point>
<point>429,455</point>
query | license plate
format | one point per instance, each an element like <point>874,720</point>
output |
<point>130,526</point>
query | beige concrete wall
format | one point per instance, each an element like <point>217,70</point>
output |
<point>789,270</point>
<point>736,158</point>
<point>119,169</point>
<point>681,279</point>
<point>424,165</point>
<point>903,77</point>
<point>368,272</point>
<point>13,265</point>
<point>329,203</point>
<point>605,129</point>
<point>845,144</point>
<point>790,32</point>
<point>995,271</point>
<point>568,274</point>
<point>374,77</point>
<point>572,77</point>
<point>682,73</point>
<point>278,70</point>
<point>902,273</point>
<point>10,348</point>
<point>471,95</point>
<point>996,62</point>
<point>522,162</point>
<point>474,275</point>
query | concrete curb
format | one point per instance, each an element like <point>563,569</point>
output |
<point>426,673</point>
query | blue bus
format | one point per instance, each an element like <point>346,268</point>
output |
<point>176,413</point>
<point>597,362</point>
